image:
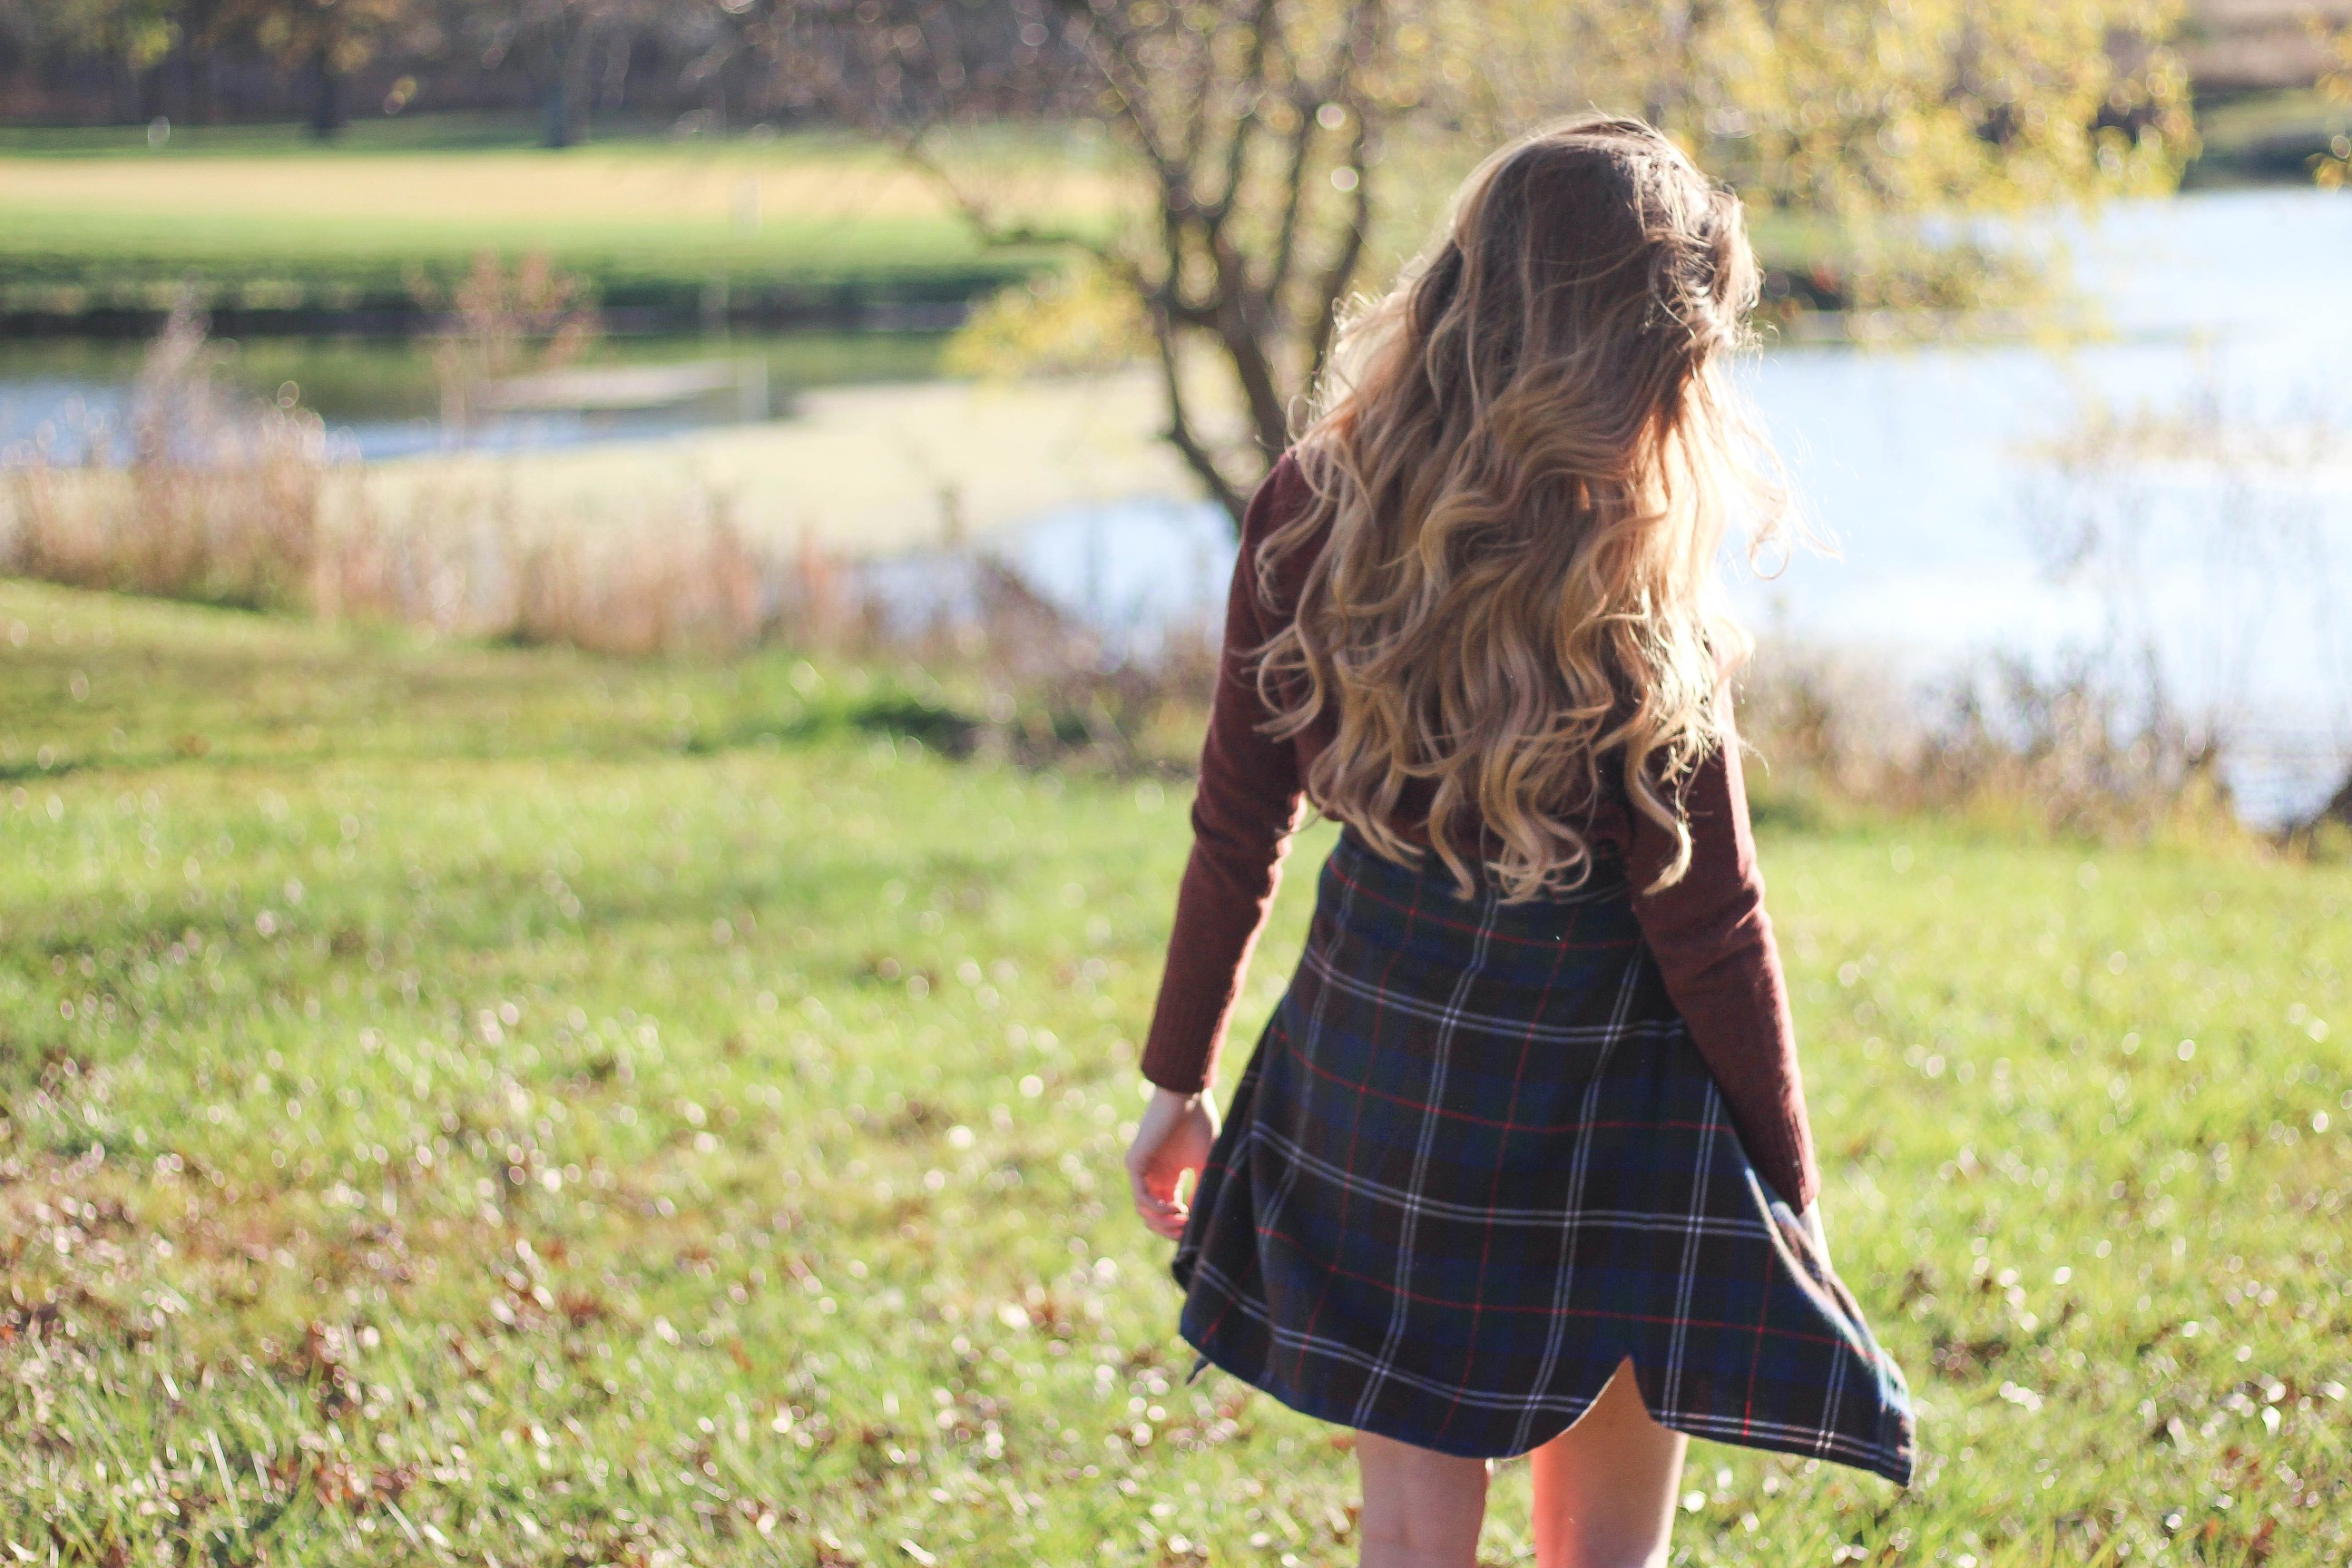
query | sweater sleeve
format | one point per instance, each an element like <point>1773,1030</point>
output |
<point>1713,943</point>
<point>1244,813</point>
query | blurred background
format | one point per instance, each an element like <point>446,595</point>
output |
<point>607,612</point>
<point>2054,328</point>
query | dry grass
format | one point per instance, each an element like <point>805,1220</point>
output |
<point>243,506</point>
<point>218,502</point>
<point>733,190</point>
<point>229,504</point>
<point>2094,750</point>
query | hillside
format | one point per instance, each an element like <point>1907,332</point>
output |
<point>465,1102</point>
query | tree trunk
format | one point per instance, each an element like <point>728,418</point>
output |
<point>556,114</point>
<point>196,63</point>
<point>564,85</point>
<point>325,92</point>
<point>202,108</point>
<point>612,93</point>
<point>577,92</point>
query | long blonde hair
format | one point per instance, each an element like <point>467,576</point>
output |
<point>1525,457</point>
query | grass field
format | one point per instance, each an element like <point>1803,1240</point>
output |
<point>476,1105</point>
<point>92,221</point>
<point>95,222</point>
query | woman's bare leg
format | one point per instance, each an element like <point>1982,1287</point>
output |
<point>1421,1510</point>
<point>1604,1489</point>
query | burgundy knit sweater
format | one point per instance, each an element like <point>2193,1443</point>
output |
<point>1708,932</point>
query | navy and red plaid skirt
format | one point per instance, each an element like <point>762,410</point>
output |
<point>1476,1163</point>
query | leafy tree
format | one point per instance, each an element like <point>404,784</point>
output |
<point>140,37</point>
<point>1859,118</point>
<point>1274,146</point>
<point>326,41</point>
<point>135,33</point>
<point>2333,171</point>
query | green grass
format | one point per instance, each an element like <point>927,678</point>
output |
<point>451,132</point>
<point>2271,138</point>
<point>262,219</point>
<point>266,220</point>
<point>466,1104</point>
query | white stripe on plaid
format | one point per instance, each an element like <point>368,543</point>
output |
<point>1679,1342</point>
<point>1273,1212</point>
<point>1565,1282</point>
<point>1429,1123</point>
<point>1361,1186</point>
<point>1545,1034</point>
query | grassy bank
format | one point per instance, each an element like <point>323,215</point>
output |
<point>466,1103</point>
<point>100,227</point>
<point>2270,138</point>
<point>269,225</point>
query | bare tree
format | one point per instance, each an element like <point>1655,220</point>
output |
<point>1268,137</point>
<point>1258,128</point>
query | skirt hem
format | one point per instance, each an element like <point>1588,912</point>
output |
<point>1714,1429</point>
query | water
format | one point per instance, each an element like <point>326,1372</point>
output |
<point>1926,468</point>
<point>381,398</point>
<point>1926,465</point>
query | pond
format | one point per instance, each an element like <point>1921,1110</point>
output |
<point>2219,539</point>
<point>2219,544</point>
<point>381,396</point>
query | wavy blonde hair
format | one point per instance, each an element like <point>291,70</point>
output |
<point>1525,456</point>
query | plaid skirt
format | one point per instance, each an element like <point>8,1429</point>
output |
<point>1476,1163</point>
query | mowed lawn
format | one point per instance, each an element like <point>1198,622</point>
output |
<point>268,219</point>
<point>492,1106</point>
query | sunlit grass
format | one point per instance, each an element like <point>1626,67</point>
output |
<point>270,220</point>
<point>463,1103</point>
<point>265,218</point>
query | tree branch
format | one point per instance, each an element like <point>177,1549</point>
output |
<point>1360,44</point>
<point>1120,75</point>
<point>1245,119</point>
<point>1179,433</point>
<point>1241,327</point>
<point>1302,147</point>
<point>1332,290</point>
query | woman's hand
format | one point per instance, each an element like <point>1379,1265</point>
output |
<point>1173,1138</point>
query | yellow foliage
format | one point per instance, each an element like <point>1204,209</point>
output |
<point>2332,168</point>
<point>1871,117</point>
<point>1072,322</point>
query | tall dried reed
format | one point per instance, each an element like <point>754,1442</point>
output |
<point>2086,748</point>
<point>221,498</point>
<point>217,498</point>
<point>208,495</point>
<point>2213,537</point>
<point>205,496</point>
<point>495,324</point>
